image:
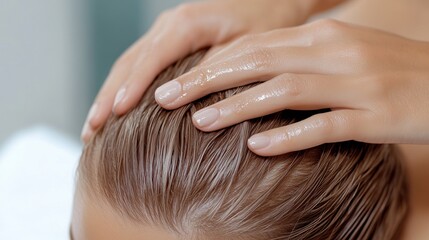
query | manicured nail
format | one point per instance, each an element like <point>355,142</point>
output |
<point>86,132</point>
<point>168,92</point>
<point>259,141</point>
<point>92,113</point>
<point>119,96</point>
<point>206,117</point>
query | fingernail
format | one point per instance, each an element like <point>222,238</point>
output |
<point>259,141</point>
<point>92,113</point>
<point>206,117</point>
<point>119,96</point>
<point>86,131</point>
<point>168,92</point>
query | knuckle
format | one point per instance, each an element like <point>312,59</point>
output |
<point>359,54</point>
<point>330,23</point>
<point>325,123</point>
<point>260,58</point>
<point>289,85</point>
<point>245,41</point>
<point>184,13</point>
<point>360,51</point>
<point>333,124</point>
<point>203,80</point>
<point>329,26</point>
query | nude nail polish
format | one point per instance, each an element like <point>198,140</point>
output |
<point>168,92</point>
<point>86,132</point>
<point>259,141</point>
<point>206,117</point>
<point>92,113</point>
<point>119,97</point>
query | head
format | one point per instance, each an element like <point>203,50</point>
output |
<point>152,175</point>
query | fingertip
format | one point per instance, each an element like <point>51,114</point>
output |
<point>202,129</point>
<point>118,104</point>
<point>168,93</point>
<point>166,106</point>
<point>259,141</point>
<point>262,153</point>
<point>94,118</point>
<point>270,143</point>
<point>95,123</point>
<point>260,144</point>
<point>87,133</point>
<point>119,109</point>
<point>124,105</point>
<point>92,122</point>
<point>206,118</point>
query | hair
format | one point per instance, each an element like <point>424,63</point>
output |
<point>154,167</point>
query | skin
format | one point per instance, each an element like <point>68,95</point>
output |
<point>202,24</point>
<point>416,161</point>
<point>94,220</point>
<point>364,12</point>
<point>374,81</point>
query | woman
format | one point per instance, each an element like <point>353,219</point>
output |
<point>375,82</point>
<point>151,175</point>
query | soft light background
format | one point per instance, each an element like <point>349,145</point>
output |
<point>54,55</point>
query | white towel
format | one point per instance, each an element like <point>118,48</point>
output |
<point>37,168</point>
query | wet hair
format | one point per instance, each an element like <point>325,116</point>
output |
<point>154,167</point>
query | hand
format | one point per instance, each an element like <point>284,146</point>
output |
<point>375,83</point>
<point>179,32</point>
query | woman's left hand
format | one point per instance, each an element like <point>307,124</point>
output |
<point>375,83</point>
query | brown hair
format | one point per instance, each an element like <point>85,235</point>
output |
<point>155,167</point>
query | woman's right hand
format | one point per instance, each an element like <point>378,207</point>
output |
<point>181,31</point>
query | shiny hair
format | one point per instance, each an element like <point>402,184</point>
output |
<point>154,167</point>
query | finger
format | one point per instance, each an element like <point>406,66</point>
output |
<point>211,52</point>
<point>87,132</point>
<point>168,44</point>
<point>308,35</point>
<point>259,65</point>
<point>335,126</point>
<point>102,107</point>
<point>287,91</point>
<point>103,103</point>
<point>289,37</point>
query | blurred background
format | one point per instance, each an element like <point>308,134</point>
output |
<point>55,54</point>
